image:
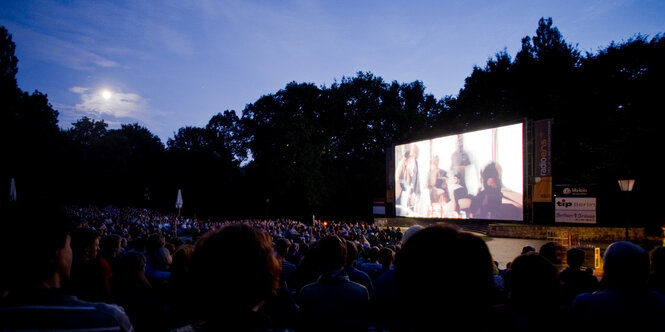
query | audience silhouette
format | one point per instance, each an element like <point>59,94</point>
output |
<point>234,271</point>
<point>90,276</point>
<point>444,277</point>
<point>657,276</point>
<point>333,301</point>
<point>283,275</point>
<point>351,269</point>
<point>134,292</point>
<point>626,303</point>
<point>575,280</point>
<point>38,259</point>
<point>534,298</point>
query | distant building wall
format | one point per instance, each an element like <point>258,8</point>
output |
<point>528,231</point>
<point>584,234</point>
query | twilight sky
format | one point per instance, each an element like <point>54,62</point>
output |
<point>170,64</point>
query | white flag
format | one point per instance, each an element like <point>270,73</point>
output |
<point>178,201</point>
<point>12,191</point>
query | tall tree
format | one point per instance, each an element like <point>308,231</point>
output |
<point>8,63</point>
<point>226,135</point>
<point>201,164</point>
<point>29,133</point>
<point>87,132</point>
<point>541,82</point>
<point>324,149</point>
<point>622,88</point>
<point>132,159</point>
<point>192,139</point>
<point>284,136</point>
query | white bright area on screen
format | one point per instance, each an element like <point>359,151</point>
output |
<point>511,158</point>
<point>502,145</point>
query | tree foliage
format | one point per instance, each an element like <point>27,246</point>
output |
<point>603,105</point>
<point>87,132</point>
<point>29,134</point>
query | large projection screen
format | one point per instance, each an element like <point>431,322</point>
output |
<point>475,175</point>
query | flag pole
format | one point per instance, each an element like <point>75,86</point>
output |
<point>178,205</point>
<point>12,190</point>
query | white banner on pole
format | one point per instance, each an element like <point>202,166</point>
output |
<point>178,201</point>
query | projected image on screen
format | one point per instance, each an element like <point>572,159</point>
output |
<point>475,175</point>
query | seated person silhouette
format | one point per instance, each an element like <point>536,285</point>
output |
<point>333,301</point>
<point>38,259</point>
<point>574,279</point>
<point>443,277</point>
<point>233,273</point>
<point>626,303</point>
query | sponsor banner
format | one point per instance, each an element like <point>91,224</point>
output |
<point>542,189</point>
<point>572,190</point>
<point>575,210</point>
<point>543,148</point>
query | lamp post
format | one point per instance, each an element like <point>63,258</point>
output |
<point>12,190</point>
<point>626,185</point>
<point>268,208</point>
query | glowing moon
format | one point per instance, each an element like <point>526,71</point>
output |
<point>106,94</point>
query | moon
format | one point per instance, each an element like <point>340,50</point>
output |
<point>106,94</point>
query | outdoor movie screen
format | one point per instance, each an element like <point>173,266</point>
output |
<point>475,175</point>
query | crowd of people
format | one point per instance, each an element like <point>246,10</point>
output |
<point>127,269</point>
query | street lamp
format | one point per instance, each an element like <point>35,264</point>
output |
<point>626,185</point>
<point>268,208</point>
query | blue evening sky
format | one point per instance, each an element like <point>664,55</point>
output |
<point>170,64</point>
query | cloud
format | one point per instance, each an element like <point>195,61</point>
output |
<point>78,58</point>
<point>120,108</point>
<point>66,53</point>
<point>119,104</point>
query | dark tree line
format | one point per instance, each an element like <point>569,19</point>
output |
<point>310,149</point>
<point>606,109</point>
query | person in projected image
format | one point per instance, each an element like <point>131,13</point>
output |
<point>494,201</point>
<point>408,189</point>
<point>458,197</point>
<point>446,189</point>
<point>460,160</point>
<point>437,184</point>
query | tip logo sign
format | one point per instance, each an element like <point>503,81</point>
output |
<point>563,203</point>
<point>575,210</point>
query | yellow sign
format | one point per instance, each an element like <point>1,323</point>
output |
<point>542,189</point>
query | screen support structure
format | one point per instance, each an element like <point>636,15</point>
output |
<point>529,170</point>
<point>390,182</point>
